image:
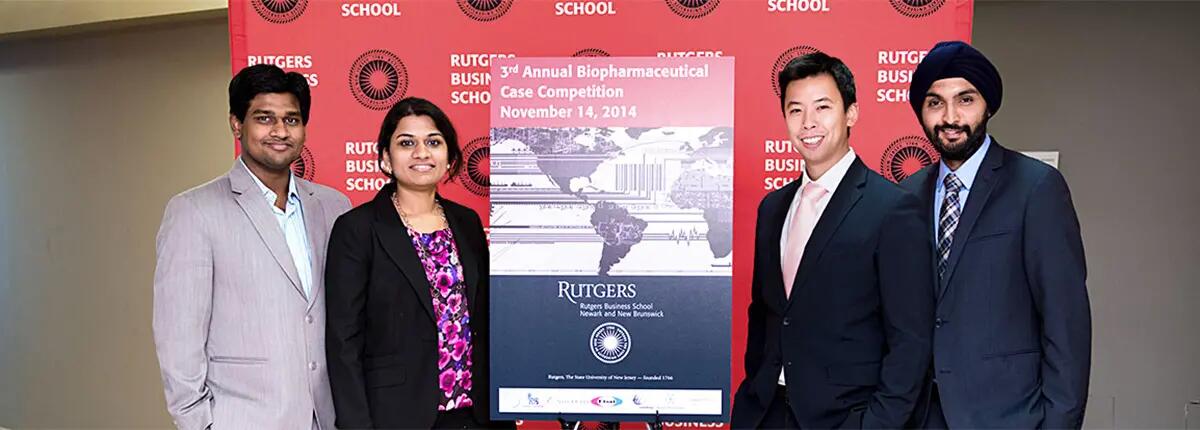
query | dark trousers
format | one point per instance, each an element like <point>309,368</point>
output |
<point>935,419</point>
<point>779,414</point>
<point>464,418</point>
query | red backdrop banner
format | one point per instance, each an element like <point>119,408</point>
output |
<point>362,56</point>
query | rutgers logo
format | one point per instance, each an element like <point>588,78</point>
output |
<point>783,60</point>
<point>905,156</point>
<point>304,167</point>
<point>378,79</point>
<point>917,8</point>
<point>692,9</point>
<point>484,10</point>
<point>610,344</point>
<point>477,169</point>
<point>591,52</point>
<point>279,11</point>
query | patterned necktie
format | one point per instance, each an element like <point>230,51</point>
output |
<point>949,220</point>
<point>799,231</point>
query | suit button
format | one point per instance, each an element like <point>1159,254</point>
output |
<point>937,323</point>
<point>789,364</point>
<point>787,322</point>
<point>308,319</point>
<point>312,365</point>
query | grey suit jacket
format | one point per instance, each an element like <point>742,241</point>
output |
<point>239,344</point>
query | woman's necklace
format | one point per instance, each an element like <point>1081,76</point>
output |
<point>421,246</point>
<point>437,206</point>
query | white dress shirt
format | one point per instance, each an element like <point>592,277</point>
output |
<point>291,221</point>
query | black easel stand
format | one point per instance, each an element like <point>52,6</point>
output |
<point>563,424</point>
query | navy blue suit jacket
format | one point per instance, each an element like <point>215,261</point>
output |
<point>854,337</point>
<point>1012,337</point>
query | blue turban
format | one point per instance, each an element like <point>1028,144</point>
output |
<point>956,60</point>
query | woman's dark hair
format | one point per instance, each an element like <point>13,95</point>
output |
<point>414,106</point>
<point>265,78</point>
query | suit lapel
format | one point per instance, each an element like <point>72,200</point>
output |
<point>466,254</point>
<point>393,237</point>
<point>775,295</point>
<point>250,199</point>
<point>985,181</point>
<point>848,192</point>
<point>316,232</point>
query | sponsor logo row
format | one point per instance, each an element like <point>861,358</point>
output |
<point>610,401</point>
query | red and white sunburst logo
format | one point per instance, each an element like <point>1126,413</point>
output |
<point>692,9</point>
<point>917,8</point>
<point>484,10</point>
<point>305,167</point>
<point>783,60</point>
<point>378,79</point>
<point>905,156</point>
<point>591,52</point>
<point>477,168</point>
<point>280,11</point>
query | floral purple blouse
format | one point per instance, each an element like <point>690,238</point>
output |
<point>439,255</point>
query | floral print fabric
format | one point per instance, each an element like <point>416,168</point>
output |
<point>439,256</point>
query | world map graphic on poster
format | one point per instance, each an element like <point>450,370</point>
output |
<point>611,182</point>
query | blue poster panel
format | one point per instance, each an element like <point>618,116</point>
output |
<point>611,238</point>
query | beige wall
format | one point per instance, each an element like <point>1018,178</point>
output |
<point>1112,85</point>
<point>97,131</point>
<point>31,15</point>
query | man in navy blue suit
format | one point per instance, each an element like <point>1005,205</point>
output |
<point>1012,334</point>
<point>841,308</point>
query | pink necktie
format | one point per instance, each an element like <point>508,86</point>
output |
<point>798,232</point>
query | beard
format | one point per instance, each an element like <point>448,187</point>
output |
<point>963,151</point>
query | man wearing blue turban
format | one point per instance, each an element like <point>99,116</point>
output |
<point>1012,328</point>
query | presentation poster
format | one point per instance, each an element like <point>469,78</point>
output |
<point>611,238</point>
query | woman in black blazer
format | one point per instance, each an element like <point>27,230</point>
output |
<point>406,290</point>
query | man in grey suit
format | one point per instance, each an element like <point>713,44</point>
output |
<point>239,306</point>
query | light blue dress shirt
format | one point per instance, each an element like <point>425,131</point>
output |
<point>291,221</point>
<point>966,174</point>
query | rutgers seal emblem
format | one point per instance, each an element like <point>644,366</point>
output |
<point>280,11</point>
<point>905,156</point>
<point>484,10</point>
<point>783,60</point>
<point>917,8</point>
<point>378,79</point>
<point>692,9</point>
<point>610,343</point>
<point>591,52</point>
<point>304,167</point>
<point>476,175</point>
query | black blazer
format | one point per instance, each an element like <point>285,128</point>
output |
<point>381,335</point>
<point>854,336</point>
<point>1012,307</point>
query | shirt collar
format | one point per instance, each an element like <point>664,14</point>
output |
<point>830,180</point>
<point>266,192</point>
<point>967,171</point>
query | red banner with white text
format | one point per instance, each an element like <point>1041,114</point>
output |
<point>362,56</point>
